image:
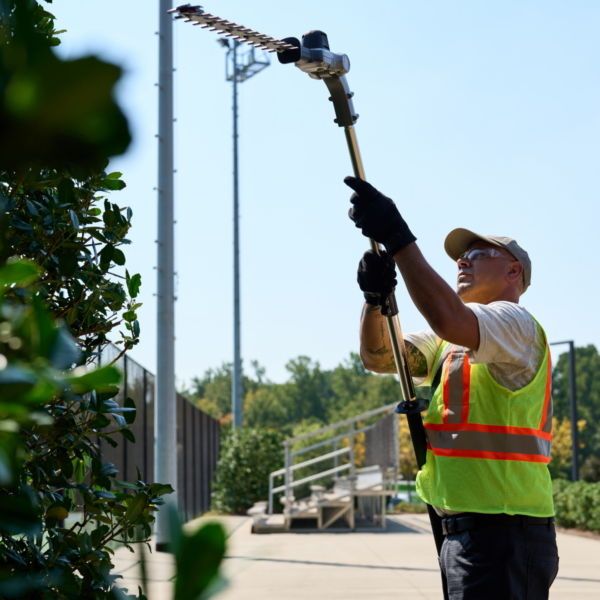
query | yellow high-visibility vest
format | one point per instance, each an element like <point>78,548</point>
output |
<point>488,447</point>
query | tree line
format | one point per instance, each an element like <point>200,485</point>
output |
<point>313,397</point>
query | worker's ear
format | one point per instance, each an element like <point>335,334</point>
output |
<point>515,272</point>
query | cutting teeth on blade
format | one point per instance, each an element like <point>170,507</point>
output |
<point>241,34</point>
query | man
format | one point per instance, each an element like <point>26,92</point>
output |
<point>489,422</point>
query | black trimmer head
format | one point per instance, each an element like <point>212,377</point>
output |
<point>313,56</point>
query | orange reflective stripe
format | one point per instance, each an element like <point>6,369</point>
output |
<point>535,458</point>
<point>489,429</point>
<point>546,422</point>
<point>446,387</point>
<point>466,388</point>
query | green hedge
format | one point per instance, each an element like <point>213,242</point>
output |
<point>242,477</point>
<point>577,504</point>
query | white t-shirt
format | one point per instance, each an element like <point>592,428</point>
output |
<point>510,344</point>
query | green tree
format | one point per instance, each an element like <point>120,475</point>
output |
<point>587,368</point>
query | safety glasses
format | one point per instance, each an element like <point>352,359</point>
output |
<point>479,253</point>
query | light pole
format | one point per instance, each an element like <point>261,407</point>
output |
<point>573,401</point>
<point>165,445</point>
<point>238,68</point>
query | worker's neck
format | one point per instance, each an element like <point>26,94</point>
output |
<point>508,295</point>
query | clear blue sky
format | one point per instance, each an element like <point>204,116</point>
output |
<point>483,115</point>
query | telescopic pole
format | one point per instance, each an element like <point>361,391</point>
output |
<point>410,406</point>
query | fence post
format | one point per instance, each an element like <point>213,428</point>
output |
<point>270,494</point>
<point>287,481</point>
<point>351,435</point>
<point>335,458</point>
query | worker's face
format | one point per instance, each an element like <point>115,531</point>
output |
<point>486,279</point>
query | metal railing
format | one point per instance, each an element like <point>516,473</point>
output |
<point>290,467</point>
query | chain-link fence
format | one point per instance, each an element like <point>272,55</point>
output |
<point>197,439</point>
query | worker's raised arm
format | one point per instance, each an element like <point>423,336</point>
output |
<point>378,218</point>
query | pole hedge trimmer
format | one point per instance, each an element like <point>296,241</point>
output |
<point>313,56</point>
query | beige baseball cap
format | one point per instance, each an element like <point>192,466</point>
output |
<point>459,241</point>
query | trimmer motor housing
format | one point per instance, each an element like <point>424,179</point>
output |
<point>314,57</point>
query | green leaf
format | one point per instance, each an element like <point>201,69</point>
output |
<point>130,416</point>
<point>120,420</point>
<point>31,208</point>
<point>57,512</point>
<point>19,272</point>
<point>85,543</point>
<point>127,485</point>
<point>198,560</point>
<point>104,495</point>
<point>64,351</point>
<point>113,184</point>
<point>16,381</point>
<point>134,285</point>
<point>66,191</point>
<point>115,175</point>
<point>136,506</point>
<point>160,489</point>
<point>99,379</point>
<point>67,263</point>
<point>107,253</point>
<point>57,111</point>
<point>136,328</point>
<point>19,513</point>
<point>74,220</point>
<point>118,257</point>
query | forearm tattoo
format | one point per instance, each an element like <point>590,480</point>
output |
<point>416,360</point>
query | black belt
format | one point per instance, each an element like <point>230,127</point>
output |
<point>466,521</point>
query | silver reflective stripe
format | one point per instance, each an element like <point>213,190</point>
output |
<point>485,441</point>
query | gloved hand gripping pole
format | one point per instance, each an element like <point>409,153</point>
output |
<point>314,57</point>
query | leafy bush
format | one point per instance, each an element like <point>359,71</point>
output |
<point>410,507</point>
<point>590,470</point>
<point>577,504</point>
<point>245,460</point>
<point>49,463</point>
<point>58,302</point>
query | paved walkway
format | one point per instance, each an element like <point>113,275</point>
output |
<point>399,564</point>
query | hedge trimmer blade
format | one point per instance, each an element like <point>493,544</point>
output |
<point>187,12</point>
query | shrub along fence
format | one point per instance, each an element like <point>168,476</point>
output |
<point>197,439</point>
<point>577,504</point>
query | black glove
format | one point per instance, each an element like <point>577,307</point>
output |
<point>377,276</point>
<point>377,216</point>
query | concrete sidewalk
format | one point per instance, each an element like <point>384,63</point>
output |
<point>398,564</point>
